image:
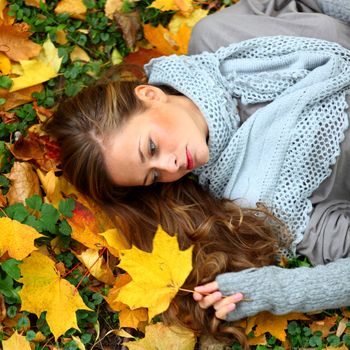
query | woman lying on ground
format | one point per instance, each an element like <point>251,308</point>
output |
<point>261,121</point>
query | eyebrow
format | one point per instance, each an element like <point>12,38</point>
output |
<point>143,159</point>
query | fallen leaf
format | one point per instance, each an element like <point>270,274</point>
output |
<point>78,343</point>
<point>324,325</point>
<point>16,342</point>
<point>177,20</point>
<point>5,64</point>
<point>142,56</point>
<point>44,290</point>
<point>55,187</point>
<point>75,8</point>
<point>16,238</point>
<point>61,37</point>
<point>39,70</point>
<point>96,265</point>
<point>166,338</point>
<point>85,228</point>
<point>78,54</point>
<point>165,41</point>
<point>130,24</point>
<point>24,183</point>
<point>8,118</point>
<point>39,337</point>
<point>127,317</point>
<point>16,44</point>
<point>274,324</point>
<point>184,6</point>
<point>3,314</point>
<point>156,276</point>
<point>346,312</point>
<point>124,334</point>
<point>112,6</point>
<point>342,325</point>
<point>343,347</point>
<point>115,241</point>
<point>260,340</point>
<point>35,3</point>
<point>20,97</point>
<point>3,4</point>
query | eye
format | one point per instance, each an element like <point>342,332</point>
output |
<point>152,148</point>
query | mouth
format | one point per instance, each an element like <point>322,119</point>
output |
<point>189,160</point>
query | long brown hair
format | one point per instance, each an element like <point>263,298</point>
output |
<point>225,237</point>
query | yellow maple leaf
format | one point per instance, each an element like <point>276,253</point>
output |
<point>115,241</point>
<point>44,290</point>
<point>35,71</point>
<point>184,6</point>
<point>16,342</point>
<point>177,20</point>
<point>17,239</point>
<point>75,8</point>
<point>274,324</point>
<point>3,4</point>
<point>96,265</point>
<point>78,54</point>
<point>156,276</point>
<point>165,337</point>
<point>112,6</point>
<point>167,42</point>
<point>5,64</point>
<point>127,317</point>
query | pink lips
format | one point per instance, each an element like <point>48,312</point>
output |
<point>189,160</point>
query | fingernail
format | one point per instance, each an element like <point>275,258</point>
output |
<point>238,297</point>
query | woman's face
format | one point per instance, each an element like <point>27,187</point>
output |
<point>160,144</point>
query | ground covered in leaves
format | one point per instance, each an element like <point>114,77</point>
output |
<point>59,282</point>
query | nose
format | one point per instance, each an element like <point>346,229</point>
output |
<point>168,163</point>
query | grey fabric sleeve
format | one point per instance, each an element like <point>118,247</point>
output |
<point>281,291</point>
<point>339,9</point>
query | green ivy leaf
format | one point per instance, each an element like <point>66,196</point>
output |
<point>10,266</point>
<point>66,207</point>
<point>5,82</point>
<point>49,217</point>
<point>17,212</point>
<point>35,202</point>
<point>64,228</point>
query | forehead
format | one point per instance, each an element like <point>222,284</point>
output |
<point>121,155</point>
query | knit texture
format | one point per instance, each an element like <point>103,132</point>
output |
<point>282,153</point>
<point>281,291</point>
<point>339,9</point>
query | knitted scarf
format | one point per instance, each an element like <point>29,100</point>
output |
<point>283,152</point>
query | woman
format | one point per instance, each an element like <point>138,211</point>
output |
<point>298,87</point>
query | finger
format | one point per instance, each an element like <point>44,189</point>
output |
<point>223,312</point>
<point>207,288</point>
<point>209,300</point>
<point>197,296</point>
<point>232,299</point>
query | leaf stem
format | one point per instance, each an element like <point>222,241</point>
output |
<point>192,291</point>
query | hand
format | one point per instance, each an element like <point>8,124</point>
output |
<point>209,295</point>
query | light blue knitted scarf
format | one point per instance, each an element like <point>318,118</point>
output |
<point>282,153</point>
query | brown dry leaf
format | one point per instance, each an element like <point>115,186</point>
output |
<point>16,44</point>
<point>324,325</point>
<point>3,314</point>
<point>61,37</point>
<point>346,312</point>
<point>8,118</point>
<point>3,200</point>
<point>19,97</point>
<point>39,149</point>
<point>97,266</point>
<point>274,324</point>
<point>165,41</point>
<point>112,6</point>
<point>166,338</point>
<point>343,347</point>
<point>35,3</point>
<point>5,64</point>
<point>24,183</point>
<point>129,23</point>
<point>78,54</point>
<point>75,8</point>
<point>43,114</point>
<point>342,326</point>
<point>142,56</point>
